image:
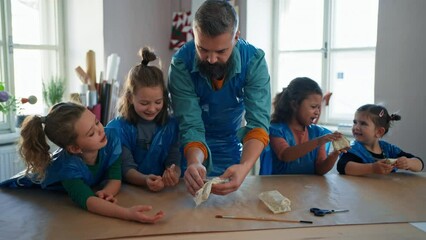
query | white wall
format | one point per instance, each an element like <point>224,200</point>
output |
<point>122,27</point>
<point>131,24</point>
<point>84,32</point>
<point>401,70</point>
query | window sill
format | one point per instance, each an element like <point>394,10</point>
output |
<point>9,138</point>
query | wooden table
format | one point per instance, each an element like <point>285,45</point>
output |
<point>390,231</point>
<point>380,207</point>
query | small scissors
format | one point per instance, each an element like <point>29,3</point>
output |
<point>322,212</point>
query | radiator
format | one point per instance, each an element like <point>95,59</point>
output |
<point>10,161</point>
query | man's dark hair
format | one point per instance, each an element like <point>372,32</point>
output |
<point>215,17</point>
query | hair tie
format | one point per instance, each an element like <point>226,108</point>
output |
<point>43,120</point>
<point>145,62</point>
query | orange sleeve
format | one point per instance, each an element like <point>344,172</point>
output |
<point>196,145</point>
<point>259,134</point>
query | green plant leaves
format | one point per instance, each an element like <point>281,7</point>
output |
<point>53,91</point>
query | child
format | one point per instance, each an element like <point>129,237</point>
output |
<point>151,155</point>
<point>88,154</point>
<point>368,153</point>
<point>298,145</point>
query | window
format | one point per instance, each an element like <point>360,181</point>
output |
<point>31,51</point>
<point>333,42</point>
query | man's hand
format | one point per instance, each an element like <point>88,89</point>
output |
<point>193,177</point>
<point>236,175</point>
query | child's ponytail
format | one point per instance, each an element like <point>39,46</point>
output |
<point>33,148</point>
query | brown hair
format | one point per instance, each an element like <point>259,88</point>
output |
<point>297,91</point>
<point>58,128</point>
<point>139,76</point>
<point>379,115</point>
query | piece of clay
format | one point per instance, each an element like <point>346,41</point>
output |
<point>203,193</point>
<point>275,201</point>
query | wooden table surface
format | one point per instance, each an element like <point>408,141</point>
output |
<point>389,231</point>
<point>380,207</point>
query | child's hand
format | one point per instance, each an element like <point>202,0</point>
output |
<point>381,167</point>
<point>402,163</point>
<point>171,176</point>
<point>136,214</point>
<point>343,150</point>
<point>329,137</point>
<point>155,183</point>
<point>106,196</point>
<point>338,152</point>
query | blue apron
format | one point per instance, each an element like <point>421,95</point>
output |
<point>66,166</point>
<point>389,150</point>
<point>269,162</point>
<point>222,110</point>
<point>152,160</point>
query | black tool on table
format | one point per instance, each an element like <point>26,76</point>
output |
<point>322,212</point>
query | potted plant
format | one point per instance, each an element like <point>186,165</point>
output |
<point>9,104</point>
<point>53,91</point>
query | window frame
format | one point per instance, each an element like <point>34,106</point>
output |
<point>8,47</point>
<point>327,50</point>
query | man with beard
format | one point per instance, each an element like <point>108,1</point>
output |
<point>214,82</point>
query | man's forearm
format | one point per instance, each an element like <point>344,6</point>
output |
<point>251,152</point>
<point>194,155</point>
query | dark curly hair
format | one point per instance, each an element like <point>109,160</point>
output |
<point>297,91</point>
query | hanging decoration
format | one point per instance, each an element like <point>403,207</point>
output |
<point>181,30</point>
